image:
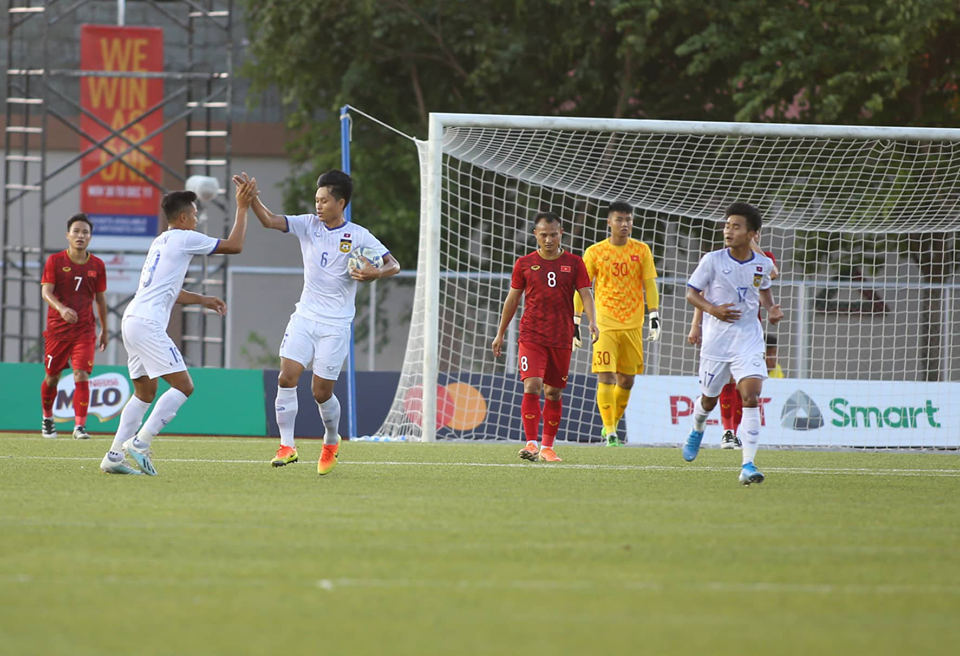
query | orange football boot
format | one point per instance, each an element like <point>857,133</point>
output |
<point>285,456</point>
<point>547,454</point>
<point>328,457</point>
<point>530,451</point>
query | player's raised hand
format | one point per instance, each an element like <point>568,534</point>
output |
<point>497,346</point>
<point>726,312</point>
<point>594,332</point>
<point>68,314</point>
<point>696,335</point>
<point>774,315</point>
<point>215,304</point>
<point>366,272</point>
<point>104,339</point>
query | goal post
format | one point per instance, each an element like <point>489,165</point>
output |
<point>862,219</point>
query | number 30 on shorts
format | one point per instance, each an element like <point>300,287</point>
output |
<point>601,358</point>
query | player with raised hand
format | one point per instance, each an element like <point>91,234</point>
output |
<point>729,286</point>
<point>624,279</point>
<point>318,334</point>
<point>151,354</point>
<point>72,280</point>
<point>547,278</point>
<point>731,404</point>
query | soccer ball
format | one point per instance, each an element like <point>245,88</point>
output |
<point>356,263</point>
<point>205,187</point>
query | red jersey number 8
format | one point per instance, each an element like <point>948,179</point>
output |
<point>552,279</point>
<point>523,363</point>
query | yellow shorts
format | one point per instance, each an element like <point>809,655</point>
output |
<point>619,351</point>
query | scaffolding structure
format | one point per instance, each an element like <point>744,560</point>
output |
<point>34,81</point>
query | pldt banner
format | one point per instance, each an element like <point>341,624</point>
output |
<point>839,413</point>
<point>121,203</point>
<point>224,402</point>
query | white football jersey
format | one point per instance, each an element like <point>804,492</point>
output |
<point>724,279</point>
<point>164,270</point>
<point>329,293</point>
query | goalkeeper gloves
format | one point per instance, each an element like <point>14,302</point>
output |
<point>577,342</point>
<point>654,333</point>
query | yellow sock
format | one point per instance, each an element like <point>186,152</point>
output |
<point>607,403</point>
<point>621,398</point>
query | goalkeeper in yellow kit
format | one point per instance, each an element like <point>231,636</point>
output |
<point>623,278</point>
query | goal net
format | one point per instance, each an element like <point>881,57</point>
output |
<point>863,223</point>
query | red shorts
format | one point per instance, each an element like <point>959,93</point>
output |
<point>551,364</point>
<point>78,351</point>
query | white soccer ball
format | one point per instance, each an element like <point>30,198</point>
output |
<point>356,263</point>
<point>205,187</point>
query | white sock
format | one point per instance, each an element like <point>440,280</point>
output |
<point>749,433</point>
<point>330,414</point>
<point>699,415</point>
<point>286,406</point>
<point>163,414</point>
<point>130,419</point>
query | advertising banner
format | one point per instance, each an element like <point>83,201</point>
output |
<point>122,204</point>
<point>832,413</point>
<point>224,402</point>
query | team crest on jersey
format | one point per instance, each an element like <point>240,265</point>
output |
<point>535,267</point>
<point>565,269</point>
<point>757,279</point>
<point>67,269</point>
<point>346,245</point>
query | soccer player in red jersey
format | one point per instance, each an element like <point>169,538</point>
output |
<point>547,277</point>
<point>72,280</point>
<point>731,404</point>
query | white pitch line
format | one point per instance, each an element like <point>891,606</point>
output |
<point>332,585</point>
<point>815,471</point>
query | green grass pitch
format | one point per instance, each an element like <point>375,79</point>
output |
<point>463,548</point>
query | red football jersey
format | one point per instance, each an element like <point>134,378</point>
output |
<point>75,285</point>
<point>548,292</point>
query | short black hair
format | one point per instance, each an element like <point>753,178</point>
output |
<point>620,206</point>
<point>771,340</point>
<point>176,202</point>
<point>341,185</point>
<point>747,211</point>
<point>79,216</point>
<point>549,217</point>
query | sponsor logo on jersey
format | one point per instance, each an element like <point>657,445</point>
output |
<point>757,279</point>
<point>565,269</point>
<point>634,258</point>
<point>67,269</point>
<point>346,245</point>
<point>726,272</point>
<point>535,267</point>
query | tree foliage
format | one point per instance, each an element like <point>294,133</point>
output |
<point>894,62</point>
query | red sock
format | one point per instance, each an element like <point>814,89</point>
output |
<point>81,402</point>
<point>727,395</point>
<point>737,411</point>
<point>47,397</point>
<point>530,410</point>
<point>551,420</point>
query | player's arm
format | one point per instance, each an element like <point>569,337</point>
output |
<point>725,312</point>
<point>68,314</point>
<point>509,310</point>
<point>696,329</point>
<point>209,302</point>
<point>578,303</point>
<point>755,247</point>
<point>585,294</point>
<point>652,297</point>
<point>774,313</point>
<point>266,218</point>
<point>101,300</point>
<point>390,267</point>
<point>233,244</point>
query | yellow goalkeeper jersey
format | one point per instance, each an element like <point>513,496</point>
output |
<point>620,274</point>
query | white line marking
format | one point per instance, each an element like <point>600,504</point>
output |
<point>816,471</point>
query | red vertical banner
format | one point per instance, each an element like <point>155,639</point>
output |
<point>121,202</point>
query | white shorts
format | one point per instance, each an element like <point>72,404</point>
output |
<point>150,351</point>
<point>316,346</point>
<point>715,374</point>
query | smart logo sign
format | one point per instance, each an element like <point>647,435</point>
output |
<point>802,413</point>
<point>108,394</point>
